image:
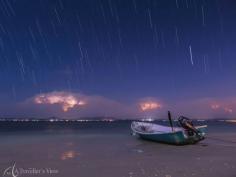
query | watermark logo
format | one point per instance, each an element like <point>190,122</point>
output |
<point>13,171</point>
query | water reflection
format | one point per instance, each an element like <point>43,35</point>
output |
<point>69,155</point>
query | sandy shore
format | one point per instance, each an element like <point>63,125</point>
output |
<point>118,155</point>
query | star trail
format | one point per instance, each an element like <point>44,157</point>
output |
<point>117,55</point>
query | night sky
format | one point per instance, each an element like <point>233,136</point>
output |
<point>119,58</point>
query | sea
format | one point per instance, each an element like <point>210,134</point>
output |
<point>98,126</point>
<point>72,148</point>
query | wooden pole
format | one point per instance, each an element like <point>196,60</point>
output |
<point>170,120</point>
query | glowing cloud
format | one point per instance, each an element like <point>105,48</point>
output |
<point>79,105</point>
<point>66,100</point>
<point>149,105</point>
<point>217,106</point>
<point>228,110</point>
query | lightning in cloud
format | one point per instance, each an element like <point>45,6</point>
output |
<point>225,108</point>
<point>150,105</point>
<point>215,106</point>
<point>228,110</point>
<point>66,100</point>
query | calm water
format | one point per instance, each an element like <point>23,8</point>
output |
<point>107,149</point>
<point>120,127</point>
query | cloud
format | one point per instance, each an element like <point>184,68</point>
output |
<point>65,99</point>
<point>66,104</point>
<point>205,107</point>
<point>75,105</point>
<point>149,104</point>
<point>146,106</point>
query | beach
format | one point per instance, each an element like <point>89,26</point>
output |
<point>111,151</point>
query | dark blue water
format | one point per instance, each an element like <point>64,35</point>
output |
<point>122,126</point>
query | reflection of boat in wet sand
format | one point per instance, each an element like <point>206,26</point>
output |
<point>185,134</point>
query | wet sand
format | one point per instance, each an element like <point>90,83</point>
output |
<point>117,155</point>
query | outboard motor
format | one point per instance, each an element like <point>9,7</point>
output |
<point>187,124</point>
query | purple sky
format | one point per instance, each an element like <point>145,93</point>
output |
<point>125,58</point>
<point>77,105</point>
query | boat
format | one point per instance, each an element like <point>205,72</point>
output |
<point>186,133</point>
